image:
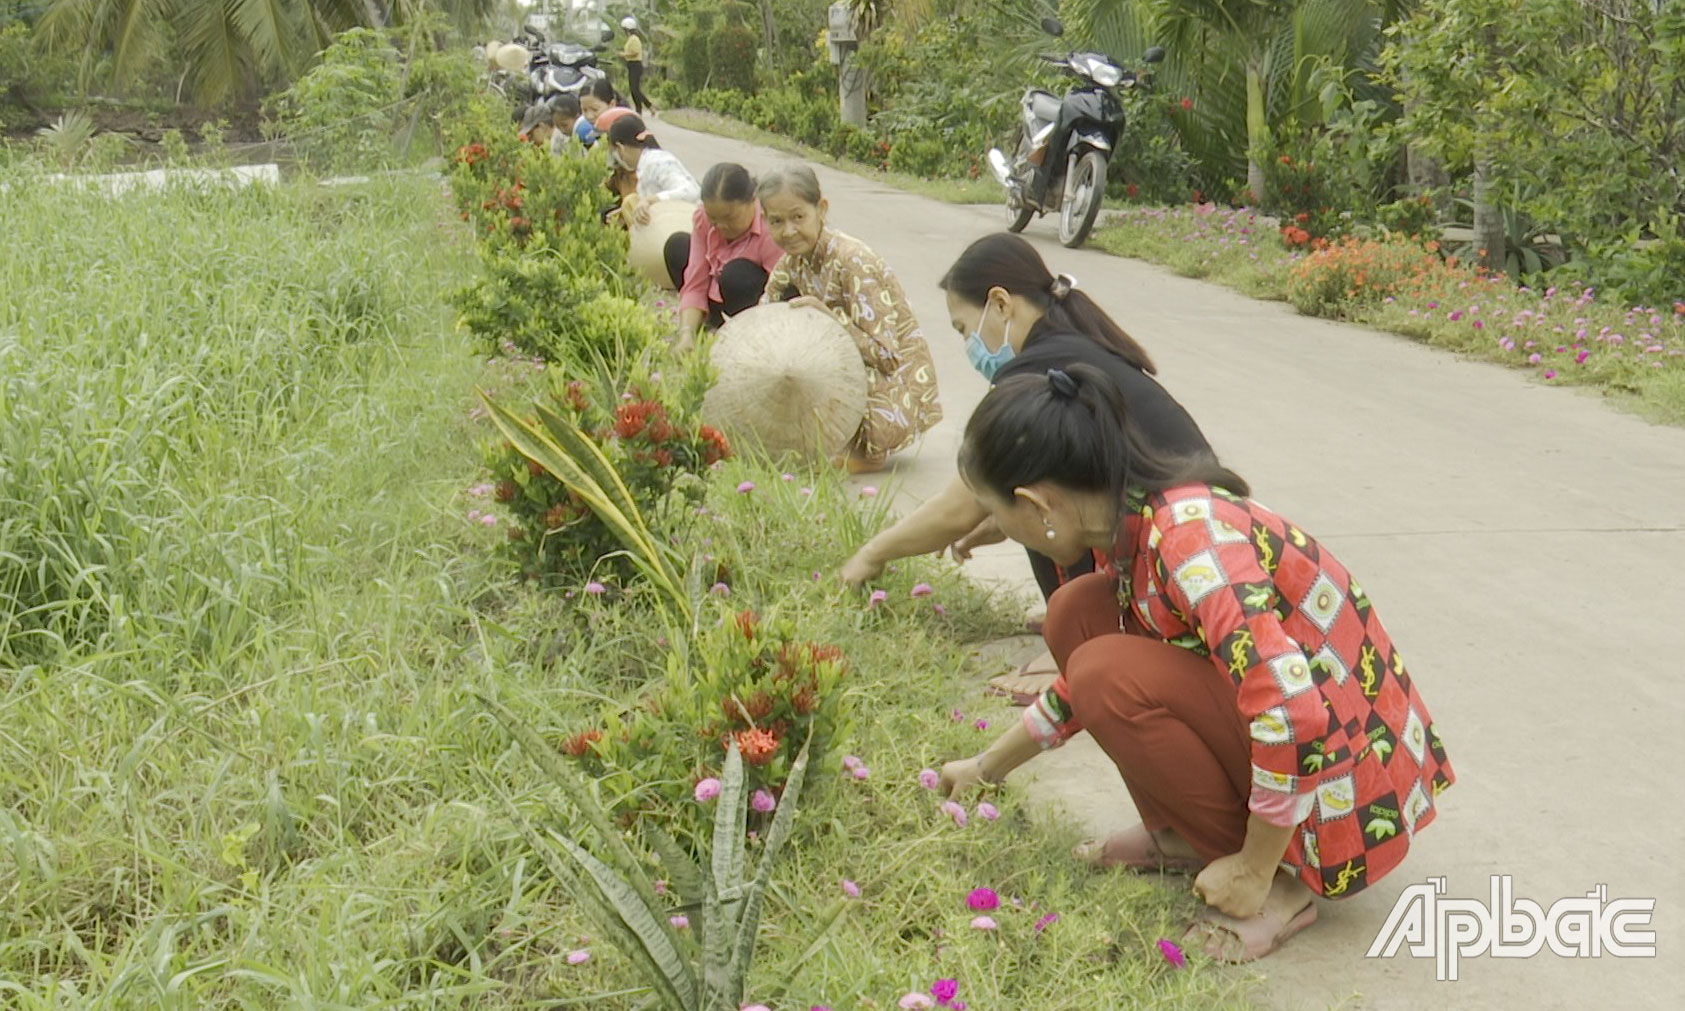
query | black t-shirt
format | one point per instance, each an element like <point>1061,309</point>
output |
<point>1160,419</point>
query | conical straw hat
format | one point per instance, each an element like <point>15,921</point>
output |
<point>790,380</point>
<point>513,57</point>
<point>646,248</point>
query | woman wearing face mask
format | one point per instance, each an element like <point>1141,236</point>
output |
<point>660,175</point>
<point>1018,318</point>
<point>835,272</point>
<point>1231,668</point>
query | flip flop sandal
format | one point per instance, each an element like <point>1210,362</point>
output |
<point>1259,936</point>
<point>1133,849</point>
<point>1020,695</point>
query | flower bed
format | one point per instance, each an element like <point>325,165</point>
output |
<point>1565,333</point>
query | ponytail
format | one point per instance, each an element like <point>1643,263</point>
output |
<point>1072,427</point>
<point>1009,261</point>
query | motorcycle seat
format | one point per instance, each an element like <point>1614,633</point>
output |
<point>1044,105</point>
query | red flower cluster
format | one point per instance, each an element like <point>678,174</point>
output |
<point>577,745</point>
<point>714,445</point>
<point>1293,235</point>
<point>757,746</point>
<point>471,154</point>
<point>645,418</point>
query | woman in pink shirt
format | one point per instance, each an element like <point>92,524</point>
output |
<point>721,267</point>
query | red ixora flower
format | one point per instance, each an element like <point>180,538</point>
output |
<point>1187,104</point>
<point>642,417</point>
<point>714,445</point>
<point>757,746</point>
<point>577,745</point>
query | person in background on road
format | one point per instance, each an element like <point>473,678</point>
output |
<point>569,125</point>
<point>840,274</point>
<point>1018,318</point>
<point>602,105</point>
<point>633,55</point>
<point>721,267</point>
<point>1229,666</point>
<point>660,175</point>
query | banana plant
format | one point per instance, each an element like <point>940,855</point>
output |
<point>571,457</point>
<point>615,889</point>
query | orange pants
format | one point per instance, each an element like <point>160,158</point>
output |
<point>1167,717</point>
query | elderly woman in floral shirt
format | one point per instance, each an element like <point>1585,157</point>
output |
<point>830,270</point>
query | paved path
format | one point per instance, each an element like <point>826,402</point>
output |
<point>1526,546</point>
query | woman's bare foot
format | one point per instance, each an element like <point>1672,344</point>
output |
<point>1138,849</point>
<point>859,463</point>
<point>1288,909</point>
<point>1024,685</point>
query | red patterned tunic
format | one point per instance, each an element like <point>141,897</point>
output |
<point>1342,746</point>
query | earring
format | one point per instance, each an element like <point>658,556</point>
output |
<point>1051,533</point>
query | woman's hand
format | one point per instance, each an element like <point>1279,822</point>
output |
<point>961,777</point>
<point>641,215</point>
<point>861,569</point>
<point>986,532</point>
<point>1233,886</point>
<point>809,302</point>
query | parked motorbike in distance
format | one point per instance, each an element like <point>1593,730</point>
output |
<point>1065,144</point>
<point>562,68</point>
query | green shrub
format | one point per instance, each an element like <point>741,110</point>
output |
<point>342,114</point>
<point>649,435</point>
<point>731,57</point>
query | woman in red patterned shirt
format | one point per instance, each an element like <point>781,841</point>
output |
<point>1236,674</point>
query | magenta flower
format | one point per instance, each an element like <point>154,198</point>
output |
<point>754,1007</point>
<point>787,477</point>
<point>707,790</point>
<point>807,492</point>
<point>987,811</point>
<point>1534,359</point>
<point>595,588</point>
<point>1580,359</point>
<point>955,812</point>
<point>929,779</point>
<point>850,889</point>
<point>720,590</point>
<point>746,487</point>
<point>861,772</point>
<point>922,590</point>
<point>1172,953</point>
<point>1047,921</point>
<point>763,801</point>
<point>869,491</point>
<point>916,1002</point>
<point>982,899</point>
<point>1550,373</point>
<point>877,597</point>
<point>579,957</point>
<point>984,923</point>
<point>661,886</point>
<point>1456,315</point>
<point>981,724</point>
<point>945,990</point>
<point>939,609</point>
<point>852,762</point>
<point>679,921</point>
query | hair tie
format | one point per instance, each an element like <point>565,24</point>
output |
<point>1062,285</point>
<point>1063,386</point>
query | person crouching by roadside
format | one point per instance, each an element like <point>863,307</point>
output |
<point>721,266</point>
<point>569,125</point>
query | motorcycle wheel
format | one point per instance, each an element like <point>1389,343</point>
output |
<point>1086,186</point>
<point>1018,213</point>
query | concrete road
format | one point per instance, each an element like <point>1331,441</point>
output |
<point>1524,544</point>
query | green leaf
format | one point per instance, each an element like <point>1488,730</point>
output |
<point>574,787</point>
<point>639,917</point>
<point>682,871</point>
<point>611,923</point>
<point>782,824</point>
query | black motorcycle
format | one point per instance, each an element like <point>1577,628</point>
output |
<point>1064,145</point>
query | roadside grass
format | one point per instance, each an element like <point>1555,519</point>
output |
<point>952,191</point>
<point>244,618</point>
<point>1564,334</point>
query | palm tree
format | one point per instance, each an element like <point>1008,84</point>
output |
<point>225,48</point>
<point>1248,65</point>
